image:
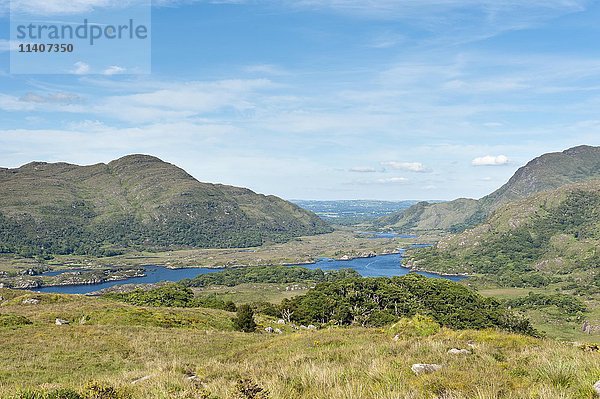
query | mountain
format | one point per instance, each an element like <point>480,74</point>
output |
<point>549,237</point>
<point>547,172</point>
<point>137,200</point>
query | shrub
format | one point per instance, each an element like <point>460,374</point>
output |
<point>247,389</point>
<point>12,320</point>
<point>245,319</point>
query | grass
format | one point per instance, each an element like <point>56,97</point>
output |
<point>550,320</point>
<point>116,347</point>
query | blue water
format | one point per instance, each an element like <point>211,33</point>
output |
<point>389,234</point>
<point>154,274</point>
<point>378,266</point>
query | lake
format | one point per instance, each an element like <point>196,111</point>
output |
<point>377,266</point>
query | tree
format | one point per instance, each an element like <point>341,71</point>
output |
<point>245,319</point>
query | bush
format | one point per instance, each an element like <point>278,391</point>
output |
<point>247,389</point>
<point>245,319</point>
<point>373,302</point>
<point>63,393</point>
<point>12,320</point>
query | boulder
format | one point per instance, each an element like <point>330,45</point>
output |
<point>420,368</point>
<point>280,321</point>
<point>30,301</point>
<point>61,322</point>
<point>597,388</point>
<point>269,330</point>
<point>456,351</point>
<point>311,327</point>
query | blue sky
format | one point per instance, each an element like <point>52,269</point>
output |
<point>325,99</point>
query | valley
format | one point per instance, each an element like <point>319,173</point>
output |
<point>516,290</point>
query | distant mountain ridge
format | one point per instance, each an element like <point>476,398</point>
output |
<point>137,200</point>
<point>547,172</point>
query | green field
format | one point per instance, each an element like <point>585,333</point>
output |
<point>187,353</point>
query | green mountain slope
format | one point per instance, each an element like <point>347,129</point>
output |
<point>547,172</point>
<point>549,237</point>
<point>137,200</point>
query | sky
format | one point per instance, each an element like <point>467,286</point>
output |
<point>324,99</point>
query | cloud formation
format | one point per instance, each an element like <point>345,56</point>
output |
<point>359,169</point>
<point>416,167</point>
<point>491,160</point>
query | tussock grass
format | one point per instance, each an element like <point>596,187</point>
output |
<point>115,348</point>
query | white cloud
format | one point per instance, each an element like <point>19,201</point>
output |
<point>491,160</point>
<point>81,68</point>
<point>416,167</point>
<point>7,45</point>
<point>113,70</point>
<point>62,7</point>
<point>359,169</point>
<point>393,180</point>
<point>59,98</point>
<point>266,69</point>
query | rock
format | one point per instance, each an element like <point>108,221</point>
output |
<point>311,327</point>
<point>396,337</point>
<point>419,368</point>
<point>280,321</point>
<point>144,378</point>
<point>455,351</point>
<point>30,301</point>
<point>278,331</point>
<point>303,327</point>
<point>269,330</point>
<point>61,322</point>
<point>597,388</point>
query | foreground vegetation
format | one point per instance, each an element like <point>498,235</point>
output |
<point>126,351</point>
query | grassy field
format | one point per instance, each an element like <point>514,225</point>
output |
<point>191,353</point>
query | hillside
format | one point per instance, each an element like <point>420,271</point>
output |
<point>550,237</point>
<point>116,350</point>
<point>547,172</point>
<point>135,201</point>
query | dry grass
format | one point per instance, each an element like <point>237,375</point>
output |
<point>117,347</point>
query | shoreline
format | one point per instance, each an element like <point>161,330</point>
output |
<point>343,258</point>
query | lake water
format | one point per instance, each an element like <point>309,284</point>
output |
<point>378,266</point>
<point>379,234</point>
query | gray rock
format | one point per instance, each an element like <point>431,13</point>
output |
<point>455,351</point>
<point>30,301</point>
<point>597,388</point>
<point>280,321</point>
<point>311,327</point>
<point>269,330</point>
<point>61,322</point>
<point>420,368</point>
